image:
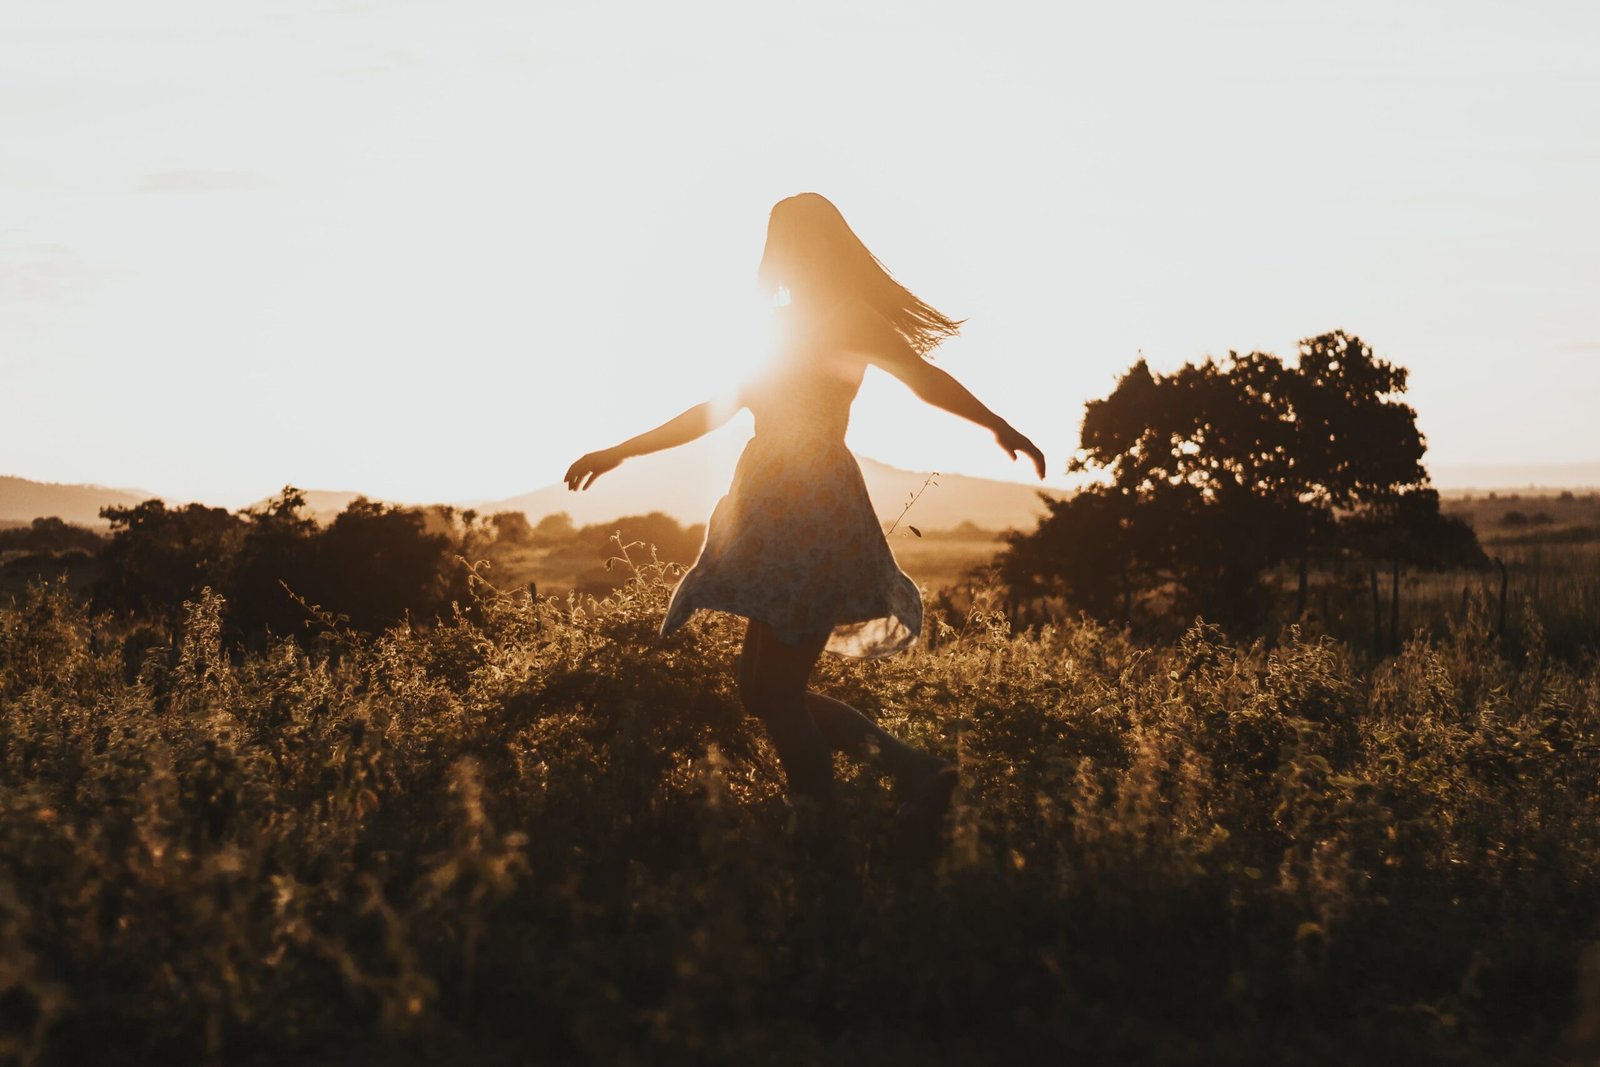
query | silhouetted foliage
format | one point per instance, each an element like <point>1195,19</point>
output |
<point>554,529</point>
<point>672,540</point>
<point>1092,549</point>
<point>1218,472</point>
<point>1408,528</point>
<point>512,528</point>
<point>373,566</point>
<point>160,557</point>
<point>1352,439</point>
<point>50,535</point>
<point>47,549</point>
<point>276,557</point>
<point>376,565</point>
<point>657,530</point>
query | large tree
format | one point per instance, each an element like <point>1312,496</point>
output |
<point>1219,471</point>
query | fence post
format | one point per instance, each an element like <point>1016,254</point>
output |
<point>1394,608</point>
<point>1500,628</point>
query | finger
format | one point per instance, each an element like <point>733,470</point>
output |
<point>592,476</point>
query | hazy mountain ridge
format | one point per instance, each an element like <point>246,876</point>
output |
<point>1511,477</point>
<point>687,482</point>
<point>22,500</point>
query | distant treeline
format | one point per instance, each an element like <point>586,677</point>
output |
<point>284,574</point>
<point>50,535</point>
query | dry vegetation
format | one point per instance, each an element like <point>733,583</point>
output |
<point>558,558</point>
<point>530,834</point>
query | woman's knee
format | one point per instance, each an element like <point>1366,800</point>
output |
<point>772,675</point>
<point>754,691</point>
<point>767,694</point>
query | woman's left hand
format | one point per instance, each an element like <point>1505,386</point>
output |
<point>581,475</point>
<point>1014,443</point>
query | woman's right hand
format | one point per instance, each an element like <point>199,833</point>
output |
<point>1014,442</point>
<point>581,475</point>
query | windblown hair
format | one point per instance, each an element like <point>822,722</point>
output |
<point>807,238</point>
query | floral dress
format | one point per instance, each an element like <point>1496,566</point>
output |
<point>795,542</point>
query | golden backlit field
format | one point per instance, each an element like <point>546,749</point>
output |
<point>937,560</point>
<point>946,559</point>
<point>532,835</point>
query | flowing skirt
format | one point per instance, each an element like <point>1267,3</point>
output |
<point>796,544</point>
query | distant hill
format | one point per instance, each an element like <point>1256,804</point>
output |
<point>22,500</point>
<point>687,482</point>
<point>684,483</point>
<point>1509,476</point>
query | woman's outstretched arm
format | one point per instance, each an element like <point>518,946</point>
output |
<point>885,348</point>
<point>694,423</point>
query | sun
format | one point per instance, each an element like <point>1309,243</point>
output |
<point>739,344</point>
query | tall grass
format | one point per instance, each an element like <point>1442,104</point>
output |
<point>1551,601</point>
<point>532,834</point>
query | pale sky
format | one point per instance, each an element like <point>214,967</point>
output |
<point>436,250</point>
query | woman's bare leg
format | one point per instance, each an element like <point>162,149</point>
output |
<point>844,729</point>
<point>770,674</point>
<point>772,685</point>
<point>923,780</point>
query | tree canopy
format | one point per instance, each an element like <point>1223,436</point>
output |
<point>1213,474</point>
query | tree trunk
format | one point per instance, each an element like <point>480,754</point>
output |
<point>1300,598</point>
<point>1377,614</point>
<point>1394,608</point>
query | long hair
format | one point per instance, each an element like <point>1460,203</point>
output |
<point>809,241</point>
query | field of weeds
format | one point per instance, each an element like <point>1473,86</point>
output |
<point>534,835</point>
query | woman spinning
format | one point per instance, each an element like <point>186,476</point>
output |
<point>795,546</point>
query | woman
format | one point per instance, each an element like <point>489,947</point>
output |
<point>795,546</point>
